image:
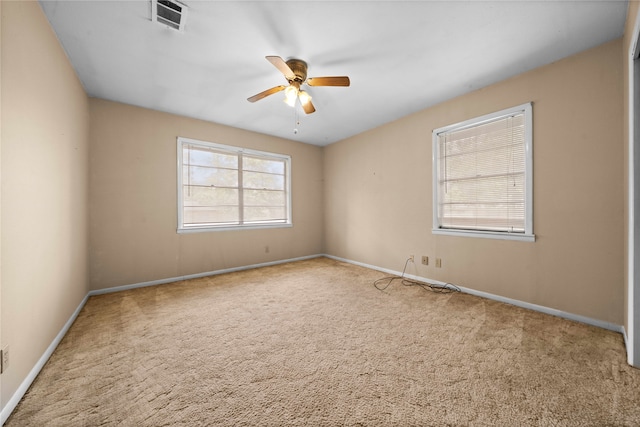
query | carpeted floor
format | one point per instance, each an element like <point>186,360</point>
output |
<point>313,343</point>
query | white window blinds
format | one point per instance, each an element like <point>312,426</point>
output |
<point>224,186</point>
<point>481,173</point>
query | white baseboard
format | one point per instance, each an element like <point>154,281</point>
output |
<point>24,386</point>
<point>197,275</point>
<point>552,311</point>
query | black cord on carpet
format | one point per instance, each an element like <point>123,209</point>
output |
<point>447,288</point>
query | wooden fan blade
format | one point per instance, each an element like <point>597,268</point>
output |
<point>266,93</point>
<point>281,65</point>
<point>329,81</point>
<point>308,107</point>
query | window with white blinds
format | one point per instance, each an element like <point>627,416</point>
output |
<point>483,176</point>
<point>222,187</point>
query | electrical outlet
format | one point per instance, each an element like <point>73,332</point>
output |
<point>438,262</point>
<point>425,260</point>
<point>4,359</point>
<point>411,258</point>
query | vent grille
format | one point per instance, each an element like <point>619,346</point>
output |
<point>169,13</point>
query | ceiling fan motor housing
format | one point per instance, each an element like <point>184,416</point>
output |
<point>299,68</point>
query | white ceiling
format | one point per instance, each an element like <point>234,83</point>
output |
<point>401,56</point>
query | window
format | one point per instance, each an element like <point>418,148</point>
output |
<point>223,187</point>
<point>482,176</point>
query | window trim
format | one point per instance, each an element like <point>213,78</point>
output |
<point>237,151</point>
<point>528,234</point>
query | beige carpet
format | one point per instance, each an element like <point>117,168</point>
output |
<point>313,343</point>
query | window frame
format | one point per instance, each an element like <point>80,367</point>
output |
<point>237,151</point>
<point>528,234</point>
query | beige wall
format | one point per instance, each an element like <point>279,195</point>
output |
<point>44,231</point>
<point>378,206</point>
<point>133,212</point>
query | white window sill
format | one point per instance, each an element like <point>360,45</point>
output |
<point>232,227</point>
<point>486,234</point>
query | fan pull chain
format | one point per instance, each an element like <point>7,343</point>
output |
<point>296,119</point>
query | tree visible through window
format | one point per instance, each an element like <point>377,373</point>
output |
<point>222,186</point>
<point>483,176</point>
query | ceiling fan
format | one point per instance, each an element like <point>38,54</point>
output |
<point>295,71</point>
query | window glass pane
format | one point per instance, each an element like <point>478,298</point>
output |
<point>505,188</point>
<point>210,214</point>
<point>264,198</point>
<point>263,213</point>
<point>262,180</point>
<point>209,196</point>
<point>202,156</point>
<point>251,163</point>
<point>200,175</point>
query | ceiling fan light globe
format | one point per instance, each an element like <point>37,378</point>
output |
<point>290,102</point>
<point>290,95</point>
<point>305,98</point>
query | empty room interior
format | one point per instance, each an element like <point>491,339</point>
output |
<point>150,168</point>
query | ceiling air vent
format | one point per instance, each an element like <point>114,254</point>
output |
<point>170,13</point>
